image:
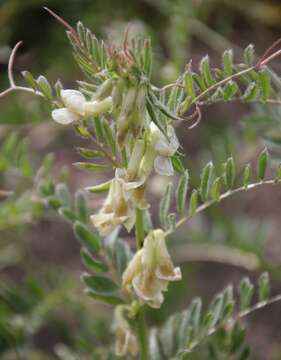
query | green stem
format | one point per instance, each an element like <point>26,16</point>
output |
<point>139,228</point>
<point>142,334</point>
<point>225,195</point>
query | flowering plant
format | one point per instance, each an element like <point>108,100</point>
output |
<point>131,125</point>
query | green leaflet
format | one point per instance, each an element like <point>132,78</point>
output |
<point>110,299</point>
<point>227,60</point>
<point>264,78</point>
<point>206,71</point>
<point>68,214</point>
<point>88,153</point>
<point>262,164</point>
<point>205,180</point>
<point>101,188</point>
<point>45,87</point>
<point>247,176</point>
<point>246,293</point>
<point>215,189</point>
<point>91,263</point>
<point>230,90</point>
<point>86,237</point>
<point>249,55</point>
<point>182,191</point>
<point>193,203</point>
<point>63,194</point>
<point>264,287</point>
<point>229,173</point>
<point>81,206</point>
<point>165,204</point>
<point>92,167</point>
<point>100,285</point>
<point>188,82</point>
<point>28,77</point>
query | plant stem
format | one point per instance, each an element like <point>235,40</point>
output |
<point>225,195</point>
<point>142,334</point>
<point>222,82</point>
<point>139,228</point>
<point>101,148</point>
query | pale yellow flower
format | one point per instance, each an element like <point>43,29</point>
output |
<point>150,270</point>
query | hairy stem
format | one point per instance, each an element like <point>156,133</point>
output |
<point>142,334</point>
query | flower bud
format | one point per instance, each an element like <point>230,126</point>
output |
<point>135,159</point>
<point>117,93</point>
<point>126,115</point>
<point>104,90</point>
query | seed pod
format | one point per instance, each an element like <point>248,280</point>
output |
<point>127,114</point>
<point>117,93</point>
<point>104,90</point>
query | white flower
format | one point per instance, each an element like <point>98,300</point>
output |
<point>126,342</point>
<point>165,147</point>
<point>150,270</point>
<point>76,106</point>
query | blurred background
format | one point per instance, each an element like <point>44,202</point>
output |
<point>43,312</point>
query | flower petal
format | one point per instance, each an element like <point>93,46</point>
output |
<point>163,166</point>
<point>106,222</point>
<point>96,108</point>
<point>133,269</point>
<point>149,291</point>
<point>174,275</point>
<point>163,147</point>
<point>74,100</point>
<point>173,140</point>
<point>64,116</point>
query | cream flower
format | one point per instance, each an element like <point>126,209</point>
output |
<point>165,147</point>
<point>76,106</point>
<point>150,270</point>
<point>126,342</point>
<point>115,211</point>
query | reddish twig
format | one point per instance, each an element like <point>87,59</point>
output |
<point>265,55</point>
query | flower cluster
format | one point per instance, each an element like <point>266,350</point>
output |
<point>150,270</point>
<point>127,188</point>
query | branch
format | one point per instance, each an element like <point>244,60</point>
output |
<point>225,195</point>
<point>217,253</point>
<point>13,86</point>
<point>233,320</point>
<point>11,64</point>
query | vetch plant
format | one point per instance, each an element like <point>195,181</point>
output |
<point>131,124</point>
